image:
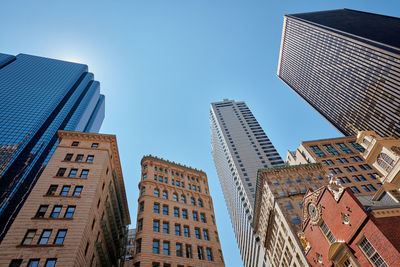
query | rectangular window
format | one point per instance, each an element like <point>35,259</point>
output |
<point>50,263</point>
<point>52,190</point>
<point>56,212</point>
<point>331,150</point>
<point>195,216</point>
<point>197,233</point>
<point>165,227</point>
<point>358,147</point>
<point>166,248</point>
<point>72,173</point>
<point>33,263</point>
<point>176,212</point>
<point>44,237</point>
<point>327,232</point>
<point>59,240</point>
<point>186,231</point>
<point>200,253</point>
<point>177,229</point>
<point>184,214</point>
<point>318,151</point>
<point>79,158</point>
<point>288,205</point>
<point>69,212</point>
<point>75,143</point>
<point>203,218</point>
<point>65,190</point>
<point>89,158</point>
<point>156,208</point>
<point>30,234</point>
<point>77,191</point>
<point>61,172</point>
<point>95,145</point>
<point>371,253</point>
<point>138,245</point>
<point>68,157</point>
<point>179,250</point>
<point>84,173</point>
<point>205,235</point>
<point>156,246</point>
<point>344,148</point>
<point>141,206</point>
<point>156,226</point>
<point>165,209</point>
<point>371,187</point>
<point>209,254</point>
<point>189,253</point>
<point>41,211</point>
<point>355,190</point>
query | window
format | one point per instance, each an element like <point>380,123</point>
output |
<point>143,191</point>
<point>70,212</point>
<point>30,234</point>
<point>288,181</point>
<point>355,190</point>
<point>68,157</point>
<point>75,143</point>
<point>205,235</point>
<point>189,253</point>
<point>50,263</point>
<point>61,172</point>
<point>138,245</point>
<point>288,206</point>
<point>371,187</point>
<point>209,254</point>
<point>141,206</point>
<point>186,231</point>
<point>184,214</point>
<point>156,193</point>
<point>165,227</point>
<point>156,246</point>
<point>296,219</point>
<point>86,248</point>
<point>84,173</point>
<point>175,197</point>
<point>72,173</point>
<point>165,209</point>
<point>156,208</point>
<point>15,263</point>
<point>183,199</point>
<point>203,217</point>
<point>371,253</point>
<point>56,212</point>
<point>197,233</point>
<point>385,161</point>
<point>166,248</point>
<point>52,190</point>
<point>318,151</point>
<point>95,145</point>
<point>357,146</point>
<point>327,232</point>
<point>344,148</point>
<point>200,202</point>
<point>33,263</point>
<point>165,195</point>
<point>200,253</point>
<point>77,191</point>
<point>372,176</point>
<point>179,251</point>
<point>59,240</point>
<point>193,201</point>
<point>79,158</point>
<point>89,158</point>
<point>331,150</point>
<point>44,237</point>
<point>195,216</point>
<point>176,212</point>
<point>41,211</point>
<point>156,226</point>
<point>177,229</point>
<point>65,190</point>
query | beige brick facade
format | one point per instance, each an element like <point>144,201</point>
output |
<point>73,221</point>
<point>165,185</point>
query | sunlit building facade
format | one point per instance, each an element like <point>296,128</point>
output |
<point>39,96</point>
<point>240,147</point>
<point>346,65</point>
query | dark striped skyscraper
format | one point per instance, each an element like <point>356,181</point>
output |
<point>240,148</point>
<point>346,65</point>
<point>39,96</point>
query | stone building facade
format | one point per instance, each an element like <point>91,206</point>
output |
<point>176,224</point>
<point>278,210</point>
<point>343,157</point>
<point>77,213</point>
<point>344,230</point>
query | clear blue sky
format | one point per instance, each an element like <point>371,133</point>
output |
<point>160,64</point>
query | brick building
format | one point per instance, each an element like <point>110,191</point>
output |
<point>175,224</point>
<point>77,213</point>
<point>342,229</point>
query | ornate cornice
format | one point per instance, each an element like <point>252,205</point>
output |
<point>173,163</point>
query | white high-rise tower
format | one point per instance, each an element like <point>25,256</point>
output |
<point>240,148</point>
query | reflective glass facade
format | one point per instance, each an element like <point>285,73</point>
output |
<point>39,96</point>
<point>240,148</point>
<point>346,65</point>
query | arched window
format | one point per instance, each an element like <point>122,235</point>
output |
<point>385,161</point>
<point>200,203</point>
<point>165,195</point>
<point>183,199</point>
<point>156,193</point>
<point>143,191</point>
<point>175,197</point>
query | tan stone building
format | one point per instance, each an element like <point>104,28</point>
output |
<point>343,158</point>
<point>77,213</point>
<point>176,225</point>
<point>278,210</point>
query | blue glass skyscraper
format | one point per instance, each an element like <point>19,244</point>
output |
<point>39,96</point>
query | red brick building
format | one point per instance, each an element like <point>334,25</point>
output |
<point>341,229</point>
